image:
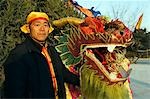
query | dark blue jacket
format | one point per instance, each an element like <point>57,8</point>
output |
<point>27,74</point>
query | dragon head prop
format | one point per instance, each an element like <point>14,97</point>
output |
<point>98,48</point>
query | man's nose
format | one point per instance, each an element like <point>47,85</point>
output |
<point>42,28</point>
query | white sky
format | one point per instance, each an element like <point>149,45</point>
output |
<point>133,9</point>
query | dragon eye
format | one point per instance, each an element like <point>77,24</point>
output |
<point>121,32</point>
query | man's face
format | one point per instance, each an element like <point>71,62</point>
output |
<point>39,30</point>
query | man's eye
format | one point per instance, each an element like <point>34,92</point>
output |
<point>46,25</point>
<point>37,24</point>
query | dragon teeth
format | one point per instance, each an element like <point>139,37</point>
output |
<point>110,48</point>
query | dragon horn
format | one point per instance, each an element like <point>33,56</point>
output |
<point>71,20</point>
<point>138,24</point>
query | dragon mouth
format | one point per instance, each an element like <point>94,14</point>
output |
<point>108,47</point>
<point>100,56</point>
<point>100,50</point>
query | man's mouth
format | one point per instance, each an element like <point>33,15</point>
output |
<point>41,33</point>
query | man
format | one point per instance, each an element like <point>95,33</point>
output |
<point>34,68</point>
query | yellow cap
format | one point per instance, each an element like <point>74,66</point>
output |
<point>34,16</point>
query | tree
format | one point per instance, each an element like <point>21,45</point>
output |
<point>140,46</point>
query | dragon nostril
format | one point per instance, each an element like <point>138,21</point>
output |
<point>121,32</point>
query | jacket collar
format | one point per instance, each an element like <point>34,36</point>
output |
<point>32,46</point>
